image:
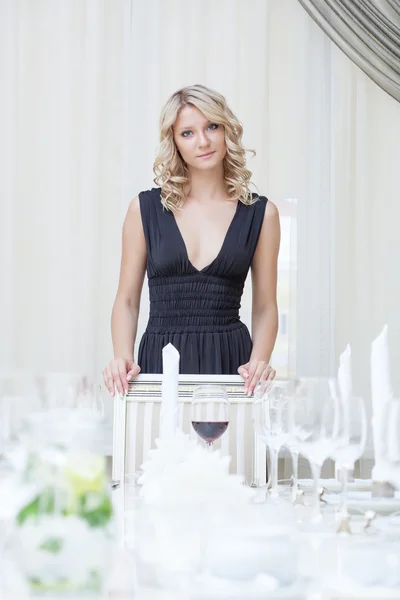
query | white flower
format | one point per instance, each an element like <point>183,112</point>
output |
<point>181,472</point>
<point>15,496</point>
<point>82,549</point>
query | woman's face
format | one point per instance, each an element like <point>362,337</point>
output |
<point>200,142</point>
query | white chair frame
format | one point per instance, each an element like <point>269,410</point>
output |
<point>136,425</point>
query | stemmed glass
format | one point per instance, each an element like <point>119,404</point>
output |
<point>314,425</point>
<point>350,440</point>
<point>271,421</point>
<point>61,390</point>
<point>390,438</point>
<point>19,396</point>
<point>294,455</point>
<point>210,412</point>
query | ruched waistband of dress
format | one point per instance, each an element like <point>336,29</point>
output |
<point>213,315</point>
<point>195,281</point>
<point>158,328</point>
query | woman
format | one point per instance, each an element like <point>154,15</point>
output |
<point>198,234</point>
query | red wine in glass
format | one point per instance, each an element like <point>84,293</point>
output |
<point>210,430</point>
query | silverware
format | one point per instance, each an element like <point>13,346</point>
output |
<point>369,516</point>
<point>321,492</point>
<point>299,498</point>
<point>344,525</point>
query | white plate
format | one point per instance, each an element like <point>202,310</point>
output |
<point>247,591</point>
<point>218,590</point>
<point>347,590</point>
<point>359,502</point>
<point>333,485</point>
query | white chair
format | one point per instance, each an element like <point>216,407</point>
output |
<point>137,421</point>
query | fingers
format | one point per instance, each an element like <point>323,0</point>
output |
<point>116,377</point>
<point>119,375</point>
<point>123,379</point>
<point>259,372</point>
<point>243,371</point>
<point>108,379</point>
<point>133,372</point>
<point>256,375</point>
<point>250,368</point>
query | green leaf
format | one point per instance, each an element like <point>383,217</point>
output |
<point>52,545</point>
<point>42,504</point>
<point>97,517</point>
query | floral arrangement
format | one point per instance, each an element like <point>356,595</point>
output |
<point>64,520</point>
<point>180,471</point>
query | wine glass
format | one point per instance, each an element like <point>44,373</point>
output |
<point>291,445</point>
<point>19,396</point>
<point>210,412</point>
<point>61,390</point>
<point>314,414</point>
<point>271,421</point>
<point>390,439</point>
<point>350,440</point>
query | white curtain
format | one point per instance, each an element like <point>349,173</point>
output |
<point>366,153</point>
<point>83,83</point>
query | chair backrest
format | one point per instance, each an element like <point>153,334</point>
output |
<point>137,423</point>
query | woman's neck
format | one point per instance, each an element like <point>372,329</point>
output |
<point>207,185</point>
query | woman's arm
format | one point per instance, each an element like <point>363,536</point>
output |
<point>264,271</point>
<point>126,307</point>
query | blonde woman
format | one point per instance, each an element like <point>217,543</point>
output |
<point>198,234</point>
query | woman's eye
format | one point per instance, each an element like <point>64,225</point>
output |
<point>186,133</point>
<point>213,126</point>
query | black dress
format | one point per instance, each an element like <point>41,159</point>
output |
<point>197,311</point>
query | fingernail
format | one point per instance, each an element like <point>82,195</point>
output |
<point>245,375</point>
<point>128,377</point>
<point>245,390</point>
<point>249,394</point>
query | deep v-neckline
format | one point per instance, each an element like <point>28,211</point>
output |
<point>222,245</point>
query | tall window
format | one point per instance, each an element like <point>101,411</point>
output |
<point>284,355</point>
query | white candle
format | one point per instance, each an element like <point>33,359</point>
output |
<point>169,401</point>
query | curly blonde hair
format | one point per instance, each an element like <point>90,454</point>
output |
<point>172,173</point>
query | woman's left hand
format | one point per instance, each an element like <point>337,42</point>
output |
<point>255,371</point>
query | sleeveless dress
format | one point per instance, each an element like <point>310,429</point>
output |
<point>197,310</point>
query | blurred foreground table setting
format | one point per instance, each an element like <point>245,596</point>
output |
<point>183,520</point>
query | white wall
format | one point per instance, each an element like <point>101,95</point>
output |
<point>85,83</point>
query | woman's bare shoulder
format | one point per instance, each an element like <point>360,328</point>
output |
<point>271,211</point>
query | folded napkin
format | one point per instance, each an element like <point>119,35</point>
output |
<point>169,416</point>
<point>381,394</point>
<point>345,384</point>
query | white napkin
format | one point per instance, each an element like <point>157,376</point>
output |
<point>169,391</point>
<point>381,393</point>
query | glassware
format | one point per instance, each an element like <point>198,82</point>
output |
<point>61,390</point>
<point>350,440</point>
<point>210,412</point>
<point>314,424</point>
<point>391,441</point>
<point>271,421</point>
<point>294,455</point>
<point>19,396</point>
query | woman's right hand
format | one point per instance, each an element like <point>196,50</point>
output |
<point>118,373</point>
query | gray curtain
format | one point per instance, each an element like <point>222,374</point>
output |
<point>368,31</point>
